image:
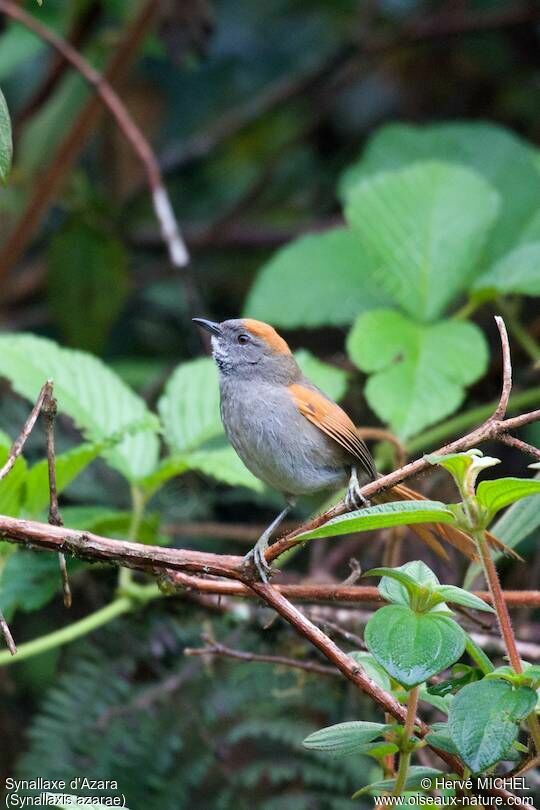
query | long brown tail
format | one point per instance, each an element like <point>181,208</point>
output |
<point>451,534</point>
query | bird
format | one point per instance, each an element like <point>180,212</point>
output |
<point>289,433</point>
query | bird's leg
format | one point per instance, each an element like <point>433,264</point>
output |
<point>354,498</point>
<point>256,555</point>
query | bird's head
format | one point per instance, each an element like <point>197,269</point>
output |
<point>250,349</point>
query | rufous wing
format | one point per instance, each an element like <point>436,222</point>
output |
<point>332,420</point>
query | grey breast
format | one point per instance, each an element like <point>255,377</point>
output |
<point>276,443</point>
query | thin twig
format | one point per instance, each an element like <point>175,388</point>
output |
<point>20,441</point>
<point>6,632</point>
<point>55,519</point>
<point>506,388</point>
<point>528,449</point>
<point>162,205</point>
<point>215,648</point>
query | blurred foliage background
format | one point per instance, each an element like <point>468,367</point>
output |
<point>301,141</point>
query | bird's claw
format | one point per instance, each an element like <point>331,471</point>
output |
<point>255,559</point>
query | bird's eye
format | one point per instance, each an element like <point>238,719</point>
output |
<point>242,339</point>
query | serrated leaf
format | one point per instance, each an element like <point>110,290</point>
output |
<point>113,523</point>
<point>458,596</point>
<point>86,303</point>
<point>517,272</point>
<point>413,647</point>
<point>397,584</point>
<point>424,227</point>
<point>89,392</point>
<point>439,737</point>
<point>495,495</point>
<point>224,465</point>
<point>502,158</point>
<point>6,142</point>
<point>189,406</point>
<point>343,739</point>
<point>68,466</point>
<point>414,779</point>
<point>421,362</point>
<point>11,486</point>
<point>483,720</point>
<point>382,516</point>
<point>372,669</point>
<point>316,280</point>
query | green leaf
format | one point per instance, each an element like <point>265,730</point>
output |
<point>517,272</point>
<point>412,647</point>
<point>68,466</point>
<point>503,159</point>
<point>372,668</point>
<point>483,721</point>
<point>495,495</point>
<point>398,584</point>
<point>414,779</point>
<point>519,522</point>
<point>29,580</point>
<point>458,596</point>
<point>424,227</point>
<point>86,303</point>
<point>421,362</point>
<point>11,487</point>
<point>330,379</point>
<point>316,280</point>
<point>382,516</point>
<point>343,739</point>
<point>112,523</point>
<point>224,465</point>
<point>90,393</point>
<point>464,467</point>
<point>189,406</point>
<point>439,737</point>
<point>6,142</point>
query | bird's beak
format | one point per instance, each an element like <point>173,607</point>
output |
<point>210,326</point>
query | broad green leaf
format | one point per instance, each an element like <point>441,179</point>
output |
<point>458,596</point>
<point>11,487</point>
<point>495,495</point>
<point>414,781</point>
<point>503,159</point>
<point>343,739</point>
<point>330,379</point>
<point>372,668</point>
<point>316,280</point>
<point>98,288</point>
<point>30,579</point>
<point>189,407</point>
<point>439,737</point>
<point>111,523</point>
<point>516,272</point>
<point>90,393</point>
<point>170,467</point>
<point>397,584</point>
<point>68,466</point>
<point>224,465</point>
<point>413,647</point>
<point>6,142</point>
<point>382,516</point>
<point>423,363</point>
<point>424,227</point>
<point>519,522</point>
<point>483,721</point>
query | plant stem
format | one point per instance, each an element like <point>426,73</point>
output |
<point>138,503</point>
<point>504,621</point>
<point>60,637</point>
<point>408,731</point>
<point>434,436</point>
<point>478,656</point>
<point>518,331</point>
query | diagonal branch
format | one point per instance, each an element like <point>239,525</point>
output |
<point>20,441</point>
<point>162,205</point>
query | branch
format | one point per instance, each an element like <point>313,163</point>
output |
<point>20,441</point>
<point>162,206</point>
<point>215,648</point>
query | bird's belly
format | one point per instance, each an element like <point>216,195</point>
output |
<point>279,446</point>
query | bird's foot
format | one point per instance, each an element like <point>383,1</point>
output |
<point>256,560</point>
<point>354,498</point>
